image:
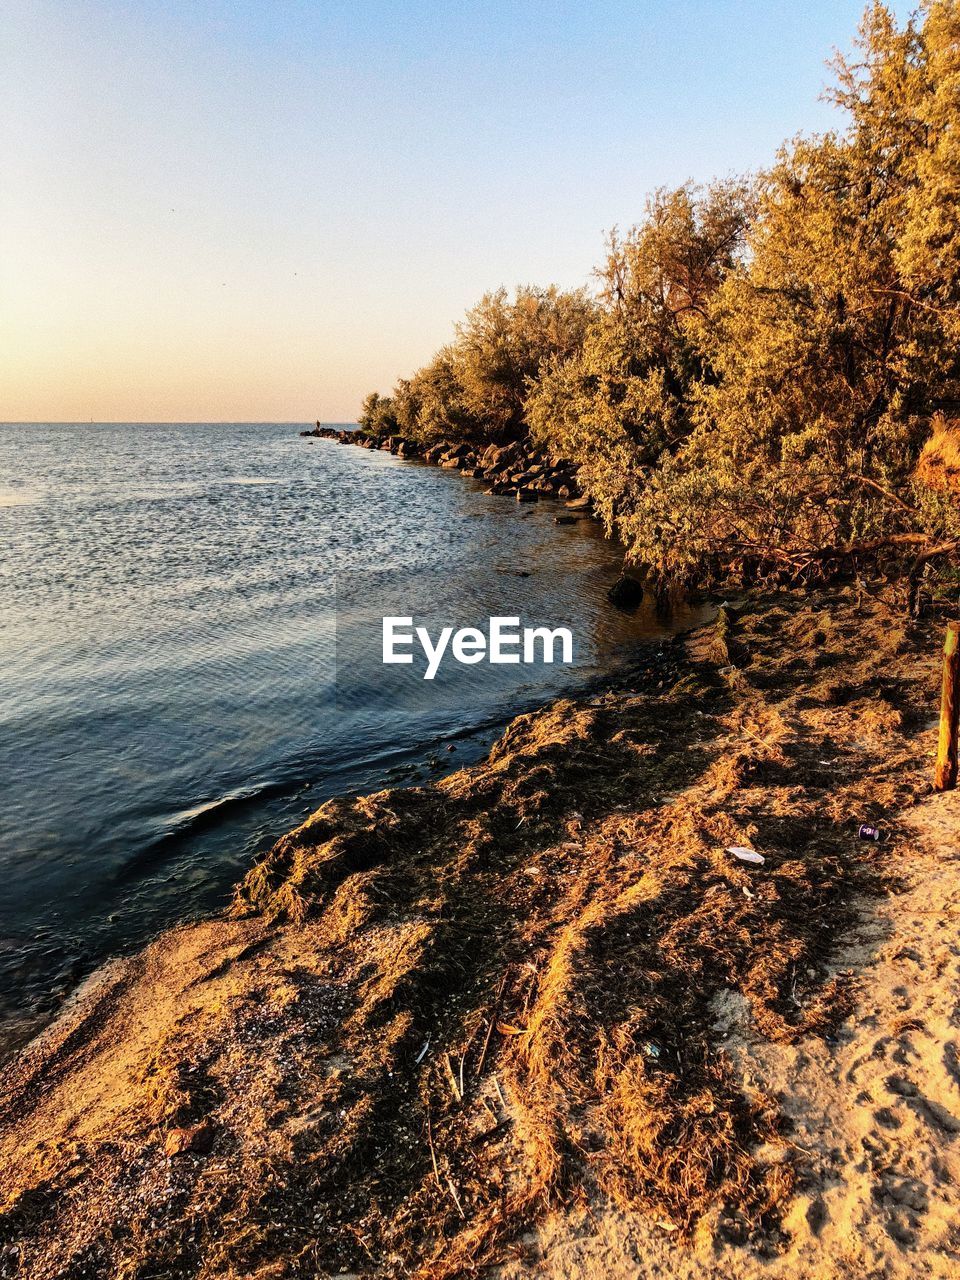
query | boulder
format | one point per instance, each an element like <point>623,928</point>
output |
<point>505,455</point>
<point>458,451</point>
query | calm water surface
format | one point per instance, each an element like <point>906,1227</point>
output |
<point>189,647</point>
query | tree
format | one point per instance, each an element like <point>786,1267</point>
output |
<point>750,390</point>
<point>502,344</point>
<point>476,387</point>
<point>625,397</point>
<point>378,415</point>
<point>826,363</point>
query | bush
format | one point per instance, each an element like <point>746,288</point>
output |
<point>750,389</point>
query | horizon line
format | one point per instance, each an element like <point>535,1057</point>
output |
<point>176,422</point>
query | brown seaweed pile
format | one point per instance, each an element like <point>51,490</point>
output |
<point>436,1013</point>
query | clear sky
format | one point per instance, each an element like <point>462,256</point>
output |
<point>239,210</point>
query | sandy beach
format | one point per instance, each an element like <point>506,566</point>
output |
<point>536,1016</point>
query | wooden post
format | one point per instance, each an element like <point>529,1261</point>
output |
<point>945,773</point>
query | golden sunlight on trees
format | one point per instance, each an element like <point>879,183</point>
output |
<point>476,388</point>
<point>624,399</point>
<point>750,390</point>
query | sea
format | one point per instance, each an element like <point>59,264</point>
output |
<point>191,661</point>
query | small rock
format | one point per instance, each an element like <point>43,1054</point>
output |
<point>195,1140</point>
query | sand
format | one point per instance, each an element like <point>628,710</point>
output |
<point>535,1019</point>
<point>875,1109</point>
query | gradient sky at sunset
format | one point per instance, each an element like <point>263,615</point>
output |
<point>220,209</point>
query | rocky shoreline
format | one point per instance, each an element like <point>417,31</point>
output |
<point>512,470</point>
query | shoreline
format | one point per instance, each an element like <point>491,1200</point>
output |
<point>440,1019</point>
<point>42,935</point>
<point>517,469</point>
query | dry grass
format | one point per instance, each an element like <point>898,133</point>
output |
<point>480,999</point>
<point>938,466</point>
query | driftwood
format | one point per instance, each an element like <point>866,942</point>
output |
<point>455,1088</point>
<point>885,493</point>
<point>945,771</point>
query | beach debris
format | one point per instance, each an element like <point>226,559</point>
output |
<point>746,855</point>
<point>651,1049</point>
<point>455,1088</point>
<point>424,1051</point>
<point>496,1085</point>
<point>433,1153</point>
<point>194,1140</point>
<point>456,1198</point>
<point>490,1025</point>
<point>866,832</point>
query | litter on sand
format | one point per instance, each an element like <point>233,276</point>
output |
<point>746,855</point>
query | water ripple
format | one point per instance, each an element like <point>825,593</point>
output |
<point>178,685</point>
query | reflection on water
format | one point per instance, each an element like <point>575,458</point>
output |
<point>16,497</point>
<point>180,686</point>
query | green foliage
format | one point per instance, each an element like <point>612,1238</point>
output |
<point>378,415</point>
<point>431,405</point>
<point>827,362</point>
<point>476,388</point>
<point>751,387</point>
<point>928,251</point>
<point>625,398</point>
